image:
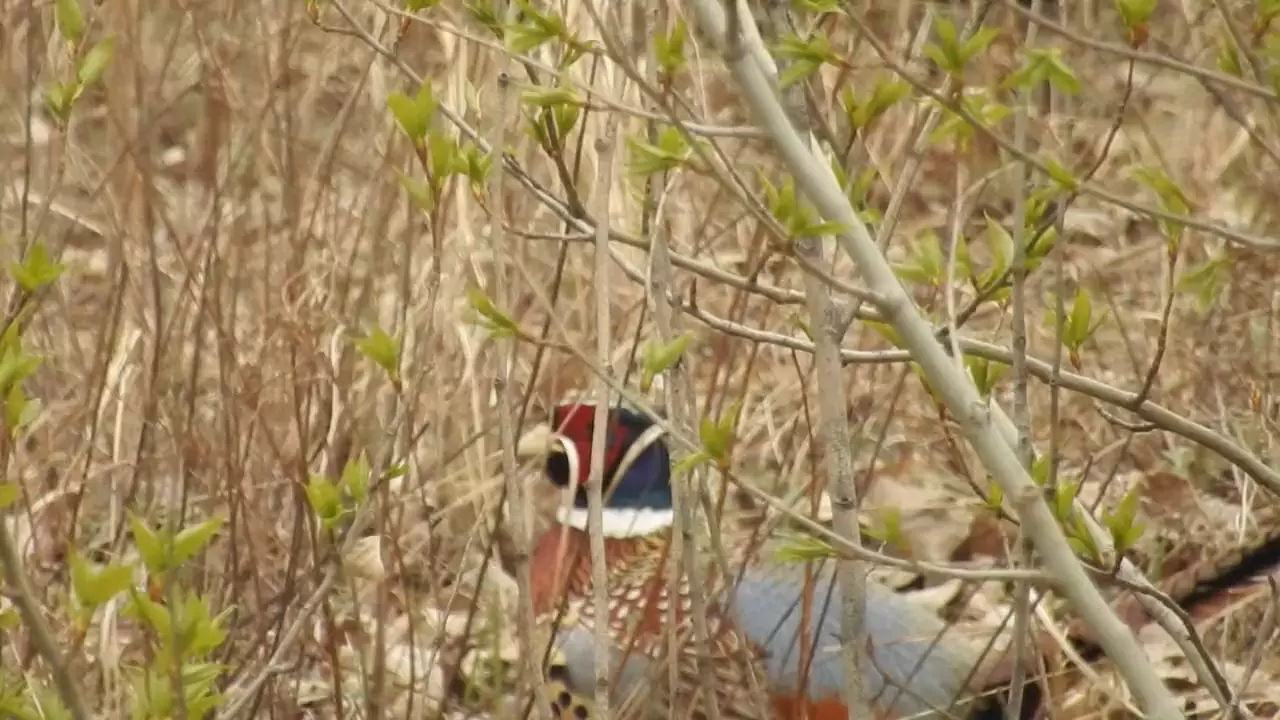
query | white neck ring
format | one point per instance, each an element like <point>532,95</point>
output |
<point>620,522</point>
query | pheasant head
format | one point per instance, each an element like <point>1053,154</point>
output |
<point>637,468</point>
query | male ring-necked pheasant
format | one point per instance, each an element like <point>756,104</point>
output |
<point>911,667</point>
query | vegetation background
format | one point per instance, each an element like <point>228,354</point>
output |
<point>274,315</point>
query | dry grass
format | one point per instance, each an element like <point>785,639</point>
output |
<point>228,205</point>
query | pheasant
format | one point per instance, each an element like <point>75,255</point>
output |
<point>754,616</point>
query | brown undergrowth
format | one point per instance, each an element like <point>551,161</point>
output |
<point>228,204</point>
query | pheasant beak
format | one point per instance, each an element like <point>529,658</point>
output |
<point>539,442</point>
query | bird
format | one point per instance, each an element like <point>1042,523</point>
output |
<point>761,618</point>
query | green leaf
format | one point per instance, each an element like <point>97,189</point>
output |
<point>671,151</point>
<point>535,28</point>
<point>355,478</point>
<point>16,367</point>
<point>71,23</point>
<point>324,498</point>
<point>1135,12</point>
<point>419,191</point>
<point>9,494</point>
<point>395,471</point>
<point>94,584</point>
<point>691,461</point>
<point>444,156</point>
<point>382,349</point>
<point>802,548</point>
<point>886,331</point>
<point>36,269</point>
<point>95,62</point>
<point>803,57</point>
<point>190,541</point>
<point>1123,521</point>
<point>669,48</point>
<point>719,436</point>
<point>995,497</point>
<point>1000,242</point>
<point>887,528</point>
<point>60,98</point>
<point>1064,500</point>
<point>19,410</point>
<point>414,114</point>
<point>1078,322</point>
<point>661,358</point>
<point>497,322</point>
<point>150,546</point>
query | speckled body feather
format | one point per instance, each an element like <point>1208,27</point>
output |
<point>755,630</point>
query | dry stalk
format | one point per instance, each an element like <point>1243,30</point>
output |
<point>604,148</point>
<point>519,507</point>
<point>678,397</point>
<point>1021,411</point>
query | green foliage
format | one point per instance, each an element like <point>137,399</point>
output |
<point>956,128</point>
<point>163,552</point>
<point>534,28</point>
<point>325,500</point>
<point>61,95</point>
<point>9,494</point>
<point>797,547</point>
<point>1206,281</point>
<point>94,585</point>
<point>382,349</point>
<point>16,365</point>
<point>1078,326</point>
<point>71,22</point>
<point>29,699</point>
<point>886,527</point>
<point>1059,173</point>
<point>660,357</point>
<point>802,57</point>
<point>1171,199</point>
<point>985,373</point>
<point>1123,523</point>
<point>1136,13</point>
<point>671,151</point>
<point>796,216</point>
<point>950,53</point>
<point>485,314</point>
<point>37,270</point>
<point>863,111</point>
<point>925,264</point>
<point>552,113</point>
<point>332,502</point>
<point>669,48</point>
<point>1228,57</point>
<point>718,437</point>
<point>414,114</point>
<point>487,14</point>
<point>355,478</point>
<point>1044,65</point>
<point>153,699</point>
